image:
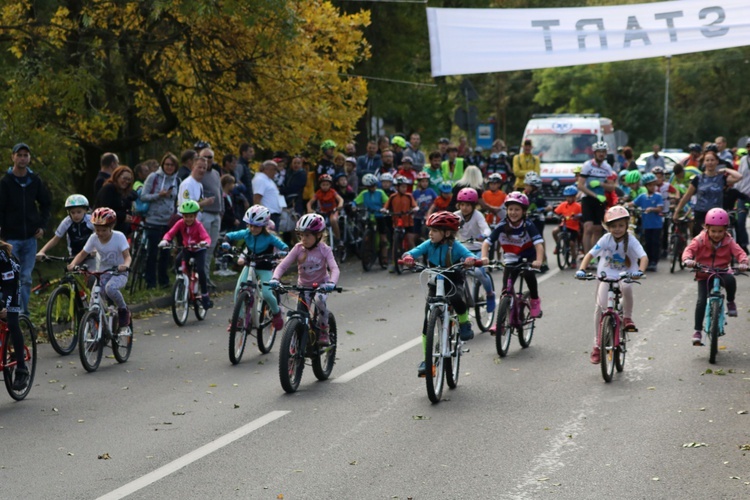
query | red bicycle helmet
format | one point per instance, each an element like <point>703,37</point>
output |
<point>717,217</point>
<point>469,195</point>
<point>103,216</point>
<point>325,178</point>
<point>423,175</point>
<point>444,220</point>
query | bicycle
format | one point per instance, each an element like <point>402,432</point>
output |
<point>98,325</point>
<point>514,310</point>
<point>612,336</point>
<point>299,341</point>
<point>443,345</point>
<point>251,313</point>
<point>8,357</point>
<point>339,250</point>
<point>65,308</point>
<point>186,290</point>
<point>563,248</point>
<point>678,241</point>
<point>714,318</point>
<point>400,244</point>
<point>370,241</point>
<point>139,244</point>
<point>475,295</point>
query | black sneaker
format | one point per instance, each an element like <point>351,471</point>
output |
<point>123,317</point>
<point>422,370</point>
<point>21,379</point>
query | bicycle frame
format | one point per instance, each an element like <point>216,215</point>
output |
<point>4,339</point>
<point>714,295</point>
<point>516,297</point>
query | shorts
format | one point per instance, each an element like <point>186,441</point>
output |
<point>592,210</point>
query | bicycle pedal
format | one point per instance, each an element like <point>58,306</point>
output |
<point>465,350</point>
<point>630,329</point>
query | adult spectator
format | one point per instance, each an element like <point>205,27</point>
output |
<point>472,178</point>
<point>453,167</point>
<point>350,150</point>
<point>524,163</point>
<point>191,188</point>
<point>498,146</point>
<point>266,192</point>
<point>24,213</point>
<point>117,193</point>
<point>398,144</point>
<point>296,179</point>
<point>708,188</point>
<point>140,171</point>
<point>370,162</point>
<point>724,153</point>
<point>107,164</point>
<point>592,182</point>
<point>187,158</point>
<point>212,212</point>
<point>743,186</point>
<point>384,144</point>
<point>244,172</point>
<point>654,160</point>
<point>628,162</point>
<point>413,152</point>
<point>435,171</point>
<point>386,166</point>
<point>695,159</point>
<point>442,145</point>
<point>200,145</point>
<point>229,165</point>
<point>722,162</point>
<point>160,191</point>
<point>463,147</point>
<point>279,177</point>
<point>326,165</point>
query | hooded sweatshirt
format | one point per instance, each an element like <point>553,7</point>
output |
<point>161,208</point>
<point>702,250</point>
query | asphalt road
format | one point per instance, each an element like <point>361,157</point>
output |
<point>179,421</point>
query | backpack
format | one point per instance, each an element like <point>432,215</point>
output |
<point>141,207</point>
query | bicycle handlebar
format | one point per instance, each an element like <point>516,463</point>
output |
<point>523,265</point>
<point>284,288</point>
<point>84,269</point>
<point>625,277</point>
<point>718,270</point>
<point>52,258</point>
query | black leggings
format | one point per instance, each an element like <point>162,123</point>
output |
<point>529,276</point>
<point>10,301</point>
<point>455,299</point>
<point>727,281</point>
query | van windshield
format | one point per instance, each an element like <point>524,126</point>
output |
<point>563,148</point>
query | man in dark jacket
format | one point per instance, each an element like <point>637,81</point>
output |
<point>24,213</point>
<point>186,159</point>
<point>107,164</point>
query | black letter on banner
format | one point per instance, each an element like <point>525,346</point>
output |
<point>670,17</point>
<point>599,23</point>
<point>635,32</point>
<point>720,17</point>
<point>545,25</point>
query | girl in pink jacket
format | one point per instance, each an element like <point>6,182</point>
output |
<point>715,248</point>
<point>316,267</point>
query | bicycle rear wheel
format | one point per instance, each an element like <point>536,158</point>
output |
<point>241,322</point>
<point>200,311</point>
<point>606,346</point>
<point>563,251</point>
<point>453,364</point>
<point>503,330</point>
<point>484,318</point>
<point>180,303</point>
<point>715,329</point>
<point>322,364</point>
<point>673,243</point>
<point>398,248</point>
<point>62,318</point>
<point>90,346</point>
<point>292,355</point>
<point>9,357</point>
<point>368,249</point>
<point>526,329</point>
<point>434,366</point>
<point>137,268</point>
<point>266,333</point>
<point>122,343</point>
<point>621,351</point>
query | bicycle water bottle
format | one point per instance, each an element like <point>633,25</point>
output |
<point>196,288</point>
<point>440,287</point>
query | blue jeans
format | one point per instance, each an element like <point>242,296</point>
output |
<point>25,252</point>
<point>154,235</point>
<point>742,238</point>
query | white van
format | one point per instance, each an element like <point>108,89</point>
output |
<point>564,142</point>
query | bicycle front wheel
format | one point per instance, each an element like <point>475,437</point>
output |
<point>453,364</point>
<point>484,318</point>
<point>122,343</point>
<point>526,329</point>
<point>62,320</point>
<point>607,346</point>
<point>241,322</point>
<point>180,303</point>
<point>368,250</point>
<point>714,330</point>
<point>200,311</point>
<point>90,346</point>
<point>675,252</point>
<point>9,358</point>
<point>292,355</point>
<point>322,364</point>
<point>503,329</point>
<point>266,333</point>
<point>434,355</point>
<point>398,249</point>
<point>563,252</point>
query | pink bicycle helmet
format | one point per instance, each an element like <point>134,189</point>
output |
<point>423,175</point>
<point>616,213</point>
<point>518,197</point>
<point>717,217</point>
<point>257,215</point>
<point>469,195</point>
<point>313,223</point>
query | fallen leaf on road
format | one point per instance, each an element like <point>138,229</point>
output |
<point>353,462</point>
<point>694,445</point>
<point>104,456</point>
<point>420,417</point>
<point>722,348</point>
<point>53,381</point>
<point>70,454</point>
<point>236,406</point>
<point>742,412</point>
<point>745,447</point>
<point>349,332</point>
<point>651,388</point>
<point>543,479</point>
<point>178,413</point>
<point>212,385</point>
<point>80,421</point>
<point>654,478</point>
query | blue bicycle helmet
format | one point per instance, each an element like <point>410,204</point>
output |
<point>648,178</point>
<point>570,191</point>
<point>446,187</point>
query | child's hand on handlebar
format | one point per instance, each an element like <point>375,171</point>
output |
<point>408,260</point>
<point>690,263</point>
<point>536,264</point>
<point>742,266</point>
<point>163,244</point>
<point>122,268</point>
<point>469,262</point>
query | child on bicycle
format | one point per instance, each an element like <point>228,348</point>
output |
<point>112,250</point>
<point>618,251</point>
<point>494,198</point>
<point>424,195</point>
<point>374,199</point>
<point>259,243</point>
<point>473,229</point>
<point>10,309</point>
<point>329,203</point>
<point>76,227</point>
<point>442,250</point>
<point>402,202</point>
<point>386,184</point>
<point>315,266</point>
<point>713,247</point>
<point>443,201</point>
<point>570,213</point>
<point>651,204</point>
<point>519,239</point>
<point>195,240</point>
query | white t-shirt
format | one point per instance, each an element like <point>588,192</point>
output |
<point>107,254</point>
<point>190,189</point>
<point>269,192</point>
<point>612,257</point>
<point>593,171</point>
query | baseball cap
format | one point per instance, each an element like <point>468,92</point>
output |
<point>20,146</point>
<point>444,140</point>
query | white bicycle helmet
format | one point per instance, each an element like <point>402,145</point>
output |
<point>532,179</point>
<point>76,200</point>
<point>257,215</point>
<point>386,177</point>
<point>369,180</point>
<point>313,223</point>
<point>599,146</point>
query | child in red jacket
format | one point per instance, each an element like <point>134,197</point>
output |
<point>713,247</point>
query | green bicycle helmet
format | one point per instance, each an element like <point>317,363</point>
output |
<point>190,207</point>
<point>327,144</point>
<point>633,177</point>
<point>399,141</point>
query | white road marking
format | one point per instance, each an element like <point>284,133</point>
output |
<point>191,457</point>
<point>351,374</point>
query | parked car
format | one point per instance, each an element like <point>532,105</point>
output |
<point>671,156</point>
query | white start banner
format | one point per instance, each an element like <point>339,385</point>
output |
<point>467,41</point>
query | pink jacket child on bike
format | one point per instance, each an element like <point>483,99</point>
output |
<point>315,265</point>
<point>195,236</point>
<point>713,247</point>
